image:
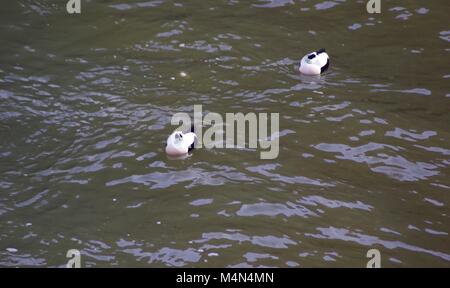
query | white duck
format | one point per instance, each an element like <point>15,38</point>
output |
<point>180,143</point>
<point>315,63</point>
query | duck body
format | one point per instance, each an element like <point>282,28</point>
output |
<point>180,143</point>
<point>315,63</point>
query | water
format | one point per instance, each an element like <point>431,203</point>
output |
<point>86,103</point>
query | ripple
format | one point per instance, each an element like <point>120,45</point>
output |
<point>21,260</point>
<point>274,209</point>
<point>396,167</point>
<point>169,256</point>
<point>368,240</point>
<point>33,199</point>
<point>410,135</point>
<point>273,3</point>
<point>128,6</point>
<point>201,202</point>
<point>422,11</point>
<point>445,35</point>
<point>266,168</point>
<point>332,107</point>
<point>355,26</point>
<point>419,91</point>
<point>196,176</point>
<point>263,241</point>
<point>325,5</point>
<point>253,257</point>
<point>169,33</point>
<point>314,199</point>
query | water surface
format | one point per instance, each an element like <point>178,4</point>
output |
<point>85,108</point>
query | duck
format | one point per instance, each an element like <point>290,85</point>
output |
<point>179,143</point>
<point>315,63</point>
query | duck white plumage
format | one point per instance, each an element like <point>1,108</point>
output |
<point>315,63</point>
<point>180,143</point>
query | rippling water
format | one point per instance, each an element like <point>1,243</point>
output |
<point>85,108</point>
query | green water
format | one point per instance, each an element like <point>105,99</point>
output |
<point>85,108</point>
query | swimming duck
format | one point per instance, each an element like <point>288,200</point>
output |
<point>180,143</point>
<point>315,63</point>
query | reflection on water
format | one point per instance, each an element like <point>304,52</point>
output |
<point>85,108</point>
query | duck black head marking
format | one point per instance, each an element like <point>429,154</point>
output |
<point>311,56</point>
<point>178,136</point>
